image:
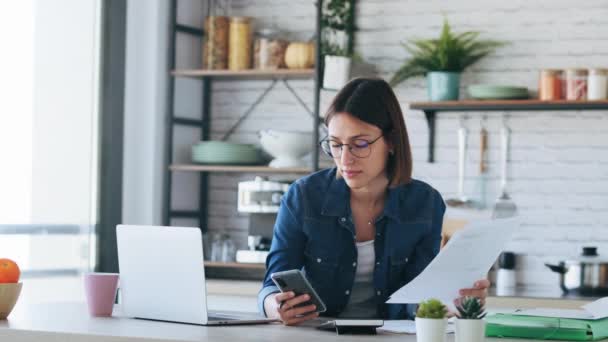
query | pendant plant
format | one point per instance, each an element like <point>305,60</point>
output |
<point>432,308</point>
<point>337,23</point>
<point>451,52</point>
<point>470,308</point>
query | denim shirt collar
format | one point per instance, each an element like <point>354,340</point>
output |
<point>337,200</point>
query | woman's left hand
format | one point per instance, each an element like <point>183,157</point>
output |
<point>479,290</point>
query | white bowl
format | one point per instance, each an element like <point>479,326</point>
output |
<point>287,147</point>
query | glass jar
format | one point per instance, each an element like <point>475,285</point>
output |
<point>215,45</point>
<point>216,247</point>
<point>576,84</point>
<point>239,50</point>
<point>268,50</point>
<point>228,249</point>
<point>550,85</point>
<point>597,84</point>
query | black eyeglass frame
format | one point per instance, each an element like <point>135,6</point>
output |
<point>350,148</point>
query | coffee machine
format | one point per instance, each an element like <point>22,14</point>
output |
<point>261,199</point>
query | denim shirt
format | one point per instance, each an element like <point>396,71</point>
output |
<point>313,232</point>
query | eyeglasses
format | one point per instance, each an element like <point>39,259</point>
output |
<point>359,148</point>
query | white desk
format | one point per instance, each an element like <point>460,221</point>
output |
<point>71,322</point>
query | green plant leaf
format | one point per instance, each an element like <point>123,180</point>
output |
<point>450,52</point>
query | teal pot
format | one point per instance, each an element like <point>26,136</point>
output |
<point>443,86</point>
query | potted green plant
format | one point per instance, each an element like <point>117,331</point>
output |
<point>431,321</point>
<point>470,326</point>
<point>337,32</point>
<point>442,60</point>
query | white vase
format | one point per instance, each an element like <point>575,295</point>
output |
<point>431,329</point>
<point>336,72</point>
<point>470,330</point>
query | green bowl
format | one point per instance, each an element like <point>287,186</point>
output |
<point>497,92</point>
<point>220,152</point>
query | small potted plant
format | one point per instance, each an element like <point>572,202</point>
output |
<point>431,321</point>
<point>337,32</point>
<point>442,60</point>
<point>470,326</point>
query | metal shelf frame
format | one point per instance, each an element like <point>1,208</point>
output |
<point>203,124</point>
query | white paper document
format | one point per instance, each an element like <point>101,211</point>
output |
<point>403,326</point>
<point>466,258</point>
<point>592,311</point>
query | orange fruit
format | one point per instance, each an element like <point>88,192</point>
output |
<point>9,271</point>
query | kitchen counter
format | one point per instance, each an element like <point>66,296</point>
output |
<point>70,322</point>
<point>541,292</point>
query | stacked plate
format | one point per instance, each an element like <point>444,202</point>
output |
<point>221,152</point>
<point>497,92</point>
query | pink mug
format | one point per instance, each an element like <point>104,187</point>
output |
<point>100,291</point>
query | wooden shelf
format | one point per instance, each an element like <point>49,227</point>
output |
<point>430,110</point>
<point>234,270</point>
<point>509,105</point>
<point>231,168</point>
<point>237,265</point>
<point>251,73</point>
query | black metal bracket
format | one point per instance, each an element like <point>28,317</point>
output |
<point>431,117</point>
<point>259,100</point>
<point>249,110</point>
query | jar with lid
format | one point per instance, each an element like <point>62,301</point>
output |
<point>597,84</point>
<point>550,85</point>
<point>576,84</point>
<point>268,49</point>
<point>239,50</point>
<point>215,45</point>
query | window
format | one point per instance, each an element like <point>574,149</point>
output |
<point>49,134</point>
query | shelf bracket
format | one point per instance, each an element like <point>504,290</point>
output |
<point>430,120</point>
<point>295,94</point>
<point>249,110</point>
<point>303,104</point>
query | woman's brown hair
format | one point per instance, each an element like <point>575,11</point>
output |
<point>373,101</point>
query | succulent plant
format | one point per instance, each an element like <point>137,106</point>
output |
<point>432,308</point>
<point>470,308</point>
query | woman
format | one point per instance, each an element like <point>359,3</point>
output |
<point>363,229</point>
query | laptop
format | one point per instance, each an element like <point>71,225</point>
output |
<point>162,276</point>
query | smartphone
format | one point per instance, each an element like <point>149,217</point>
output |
<point>294,280</point>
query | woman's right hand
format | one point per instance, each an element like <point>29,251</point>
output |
<point>282,306</point>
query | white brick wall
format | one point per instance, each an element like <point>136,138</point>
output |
<point>559,161</point>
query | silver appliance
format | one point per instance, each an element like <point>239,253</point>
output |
<point>585,275</point>
<point>260,195</point>
<point>261,199</point>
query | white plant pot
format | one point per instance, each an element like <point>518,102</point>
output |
<point>337,72</point>
<point>470,330</point>
<point>431,329</point>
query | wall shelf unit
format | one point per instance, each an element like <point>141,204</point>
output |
<point>431,109</point>
<point>207,77</point>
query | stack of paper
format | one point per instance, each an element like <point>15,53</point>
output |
<point>408,326</point>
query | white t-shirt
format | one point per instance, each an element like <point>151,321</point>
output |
<point>362,303</point>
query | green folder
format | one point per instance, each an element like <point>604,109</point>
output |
<point>546,328</point>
